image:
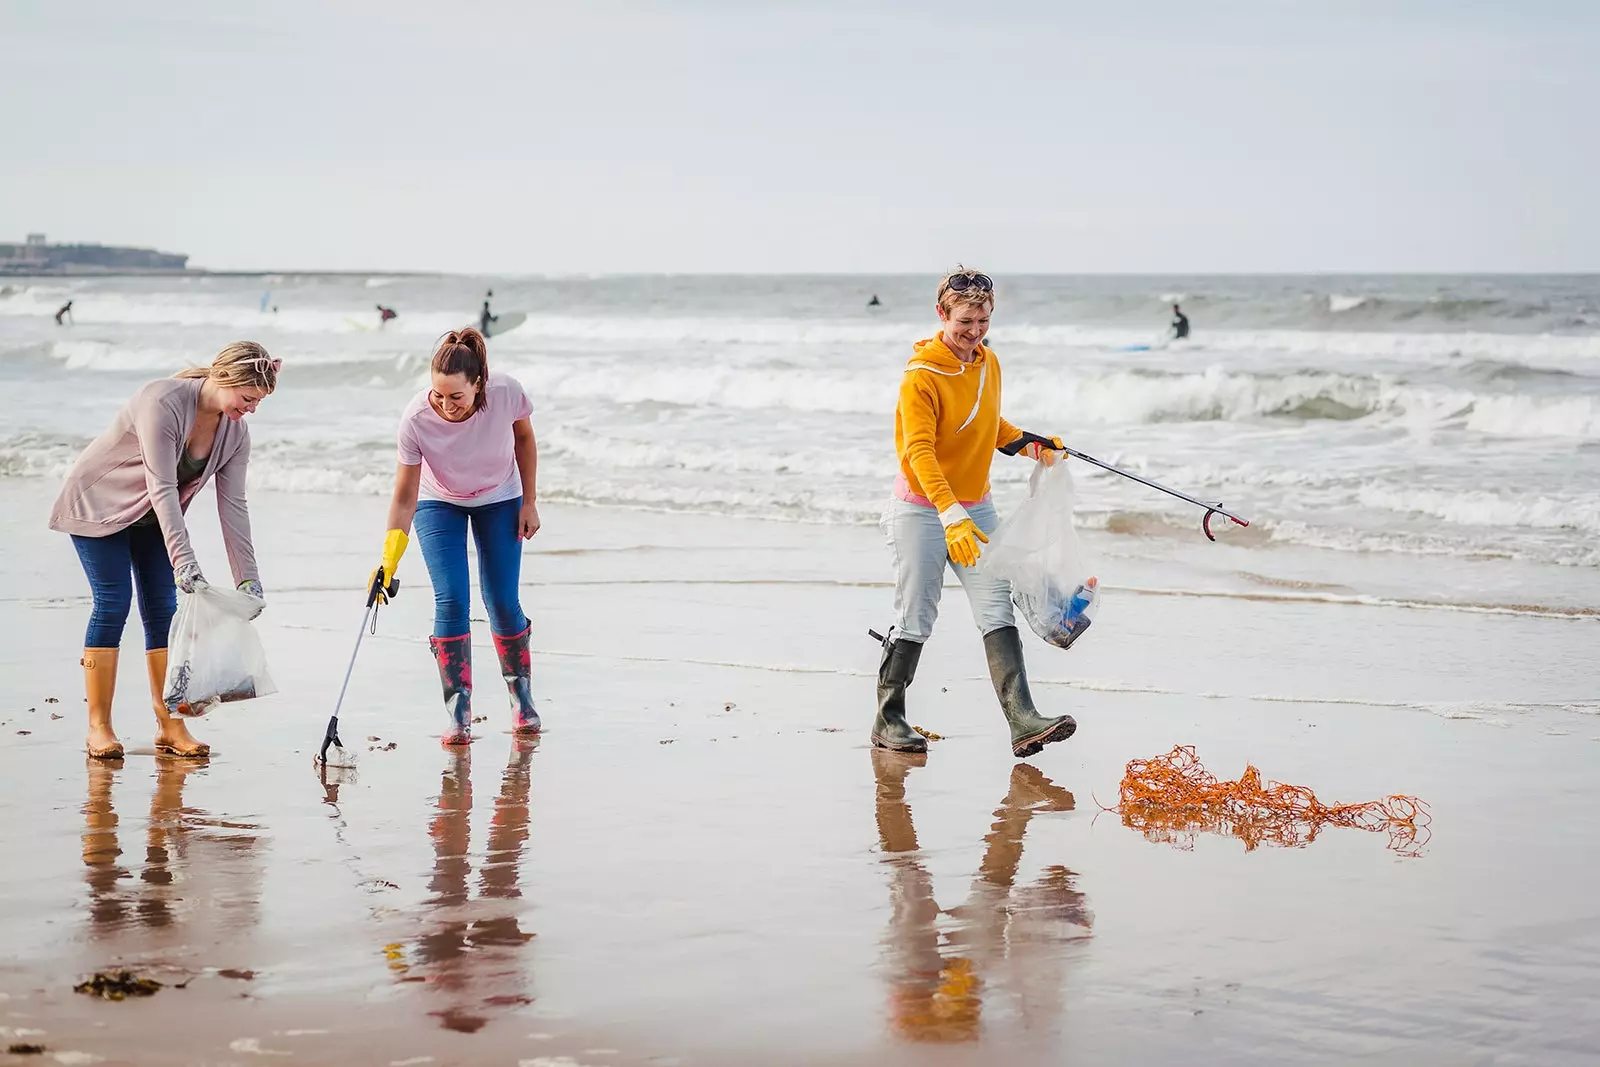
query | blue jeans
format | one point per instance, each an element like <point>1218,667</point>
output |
<point>920,556</point>
<point>442,528</point>
<point>114,563</point>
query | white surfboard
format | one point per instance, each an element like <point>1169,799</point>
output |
<point>504,322</point>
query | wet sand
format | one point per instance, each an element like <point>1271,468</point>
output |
<point>703,861</point>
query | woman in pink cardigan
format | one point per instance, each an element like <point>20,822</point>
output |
<point>123,504</point>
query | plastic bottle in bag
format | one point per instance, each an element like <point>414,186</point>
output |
<point>1036,549</point>
<point>1074,617</point>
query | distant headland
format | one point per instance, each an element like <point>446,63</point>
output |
<point>36,256</point>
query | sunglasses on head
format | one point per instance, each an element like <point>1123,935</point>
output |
<point>961,281</point>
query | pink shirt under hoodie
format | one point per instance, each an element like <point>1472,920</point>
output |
<point>472,462</point>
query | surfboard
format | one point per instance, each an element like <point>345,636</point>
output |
<point>1157,345</point>
<point>357,324</point>
<point>504,322</point>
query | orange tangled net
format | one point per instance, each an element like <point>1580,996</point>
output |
<point>1173,797</point>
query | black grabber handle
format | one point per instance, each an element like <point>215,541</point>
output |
<point>378,587</point>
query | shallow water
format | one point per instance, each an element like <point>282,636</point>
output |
<point>1439,422</point>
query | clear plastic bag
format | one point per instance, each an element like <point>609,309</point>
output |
<point>214,655</point>
<point>1036,549</point>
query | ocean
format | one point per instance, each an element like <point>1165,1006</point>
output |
<point>1427,439</point>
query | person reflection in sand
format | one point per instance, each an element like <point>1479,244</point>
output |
<point>199,884</point>
<point>1009,940</point>
<point>468,953</point>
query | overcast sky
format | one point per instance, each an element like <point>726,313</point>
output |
<point>858,135</point>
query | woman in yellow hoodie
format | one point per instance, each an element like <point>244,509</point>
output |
<point>947,427</point>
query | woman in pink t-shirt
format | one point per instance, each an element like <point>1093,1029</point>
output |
<point>467,450</point>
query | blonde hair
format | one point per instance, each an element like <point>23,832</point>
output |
<point>242,365</point>
<point>949,299</point>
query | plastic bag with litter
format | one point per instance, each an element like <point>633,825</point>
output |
<point>1036,549</point>
<point>214,655</point>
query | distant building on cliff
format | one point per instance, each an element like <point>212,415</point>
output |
<point>36,256</point>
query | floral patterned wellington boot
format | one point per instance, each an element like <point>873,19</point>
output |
<point>454,656</point>
<point>515,669</point>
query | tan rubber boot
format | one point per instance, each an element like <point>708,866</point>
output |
<point>99,686</point>
<point>102,873</point>
<point>172,734</point>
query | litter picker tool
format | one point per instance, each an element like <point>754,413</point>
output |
<point>369,623</point>
<point>1212,507</point>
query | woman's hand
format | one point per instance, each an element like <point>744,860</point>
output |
<point>188,577</point>
<point>380,583</point>
<point>961,539</point>
<point>528,520</point>
<point>1044,450</point>
<point>252,586</point>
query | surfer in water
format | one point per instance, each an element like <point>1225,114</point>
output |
<point>1180,323</point>
<point>385,314</point>
<point>485,317</point>
<point>874,302</point>
<point>64,310</point>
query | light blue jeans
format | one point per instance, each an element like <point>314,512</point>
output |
<point>920,557</point>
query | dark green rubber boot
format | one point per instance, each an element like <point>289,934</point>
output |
<point>890,729</point>
<point>1030,731</point>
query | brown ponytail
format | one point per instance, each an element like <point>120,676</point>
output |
<point>466,353</point>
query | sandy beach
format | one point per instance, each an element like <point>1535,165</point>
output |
<point>703,861</point>
<point>725,286</point>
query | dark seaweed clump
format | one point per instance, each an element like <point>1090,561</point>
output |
<point>117,985</point>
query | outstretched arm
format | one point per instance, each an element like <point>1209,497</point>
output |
<point>1040,449</point>
<point>1008,434</point>
<point>402,509</point>
<point>403,504</point>
<point>234,511</point>
<point>160,433</point>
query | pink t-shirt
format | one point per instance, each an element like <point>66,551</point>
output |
<point>472,462</point>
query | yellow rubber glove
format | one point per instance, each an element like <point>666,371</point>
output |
<point>962,538</point>
<point>394,546</point>
<point>1044,453</point>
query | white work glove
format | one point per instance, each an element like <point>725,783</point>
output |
<point>189,577</point>
<point>252,586</point>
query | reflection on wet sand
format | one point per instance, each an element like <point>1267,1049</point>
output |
<point>1004,946</point>
<point>468,954</point>
<point>199,883</point>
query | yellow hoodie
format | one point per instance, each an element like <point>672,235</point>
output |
<point>947,425</point>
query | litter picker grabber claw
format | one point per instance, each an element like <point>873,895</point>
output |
<point>369,622</point>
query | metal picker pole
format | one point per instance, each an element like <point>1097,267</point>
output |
<point>332,735</point>
<point>368,619</point>
<point>1212,508</point>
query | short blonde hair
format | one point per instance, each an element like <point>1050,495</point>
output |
<point>242,365</point>
<point>949,299</point>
